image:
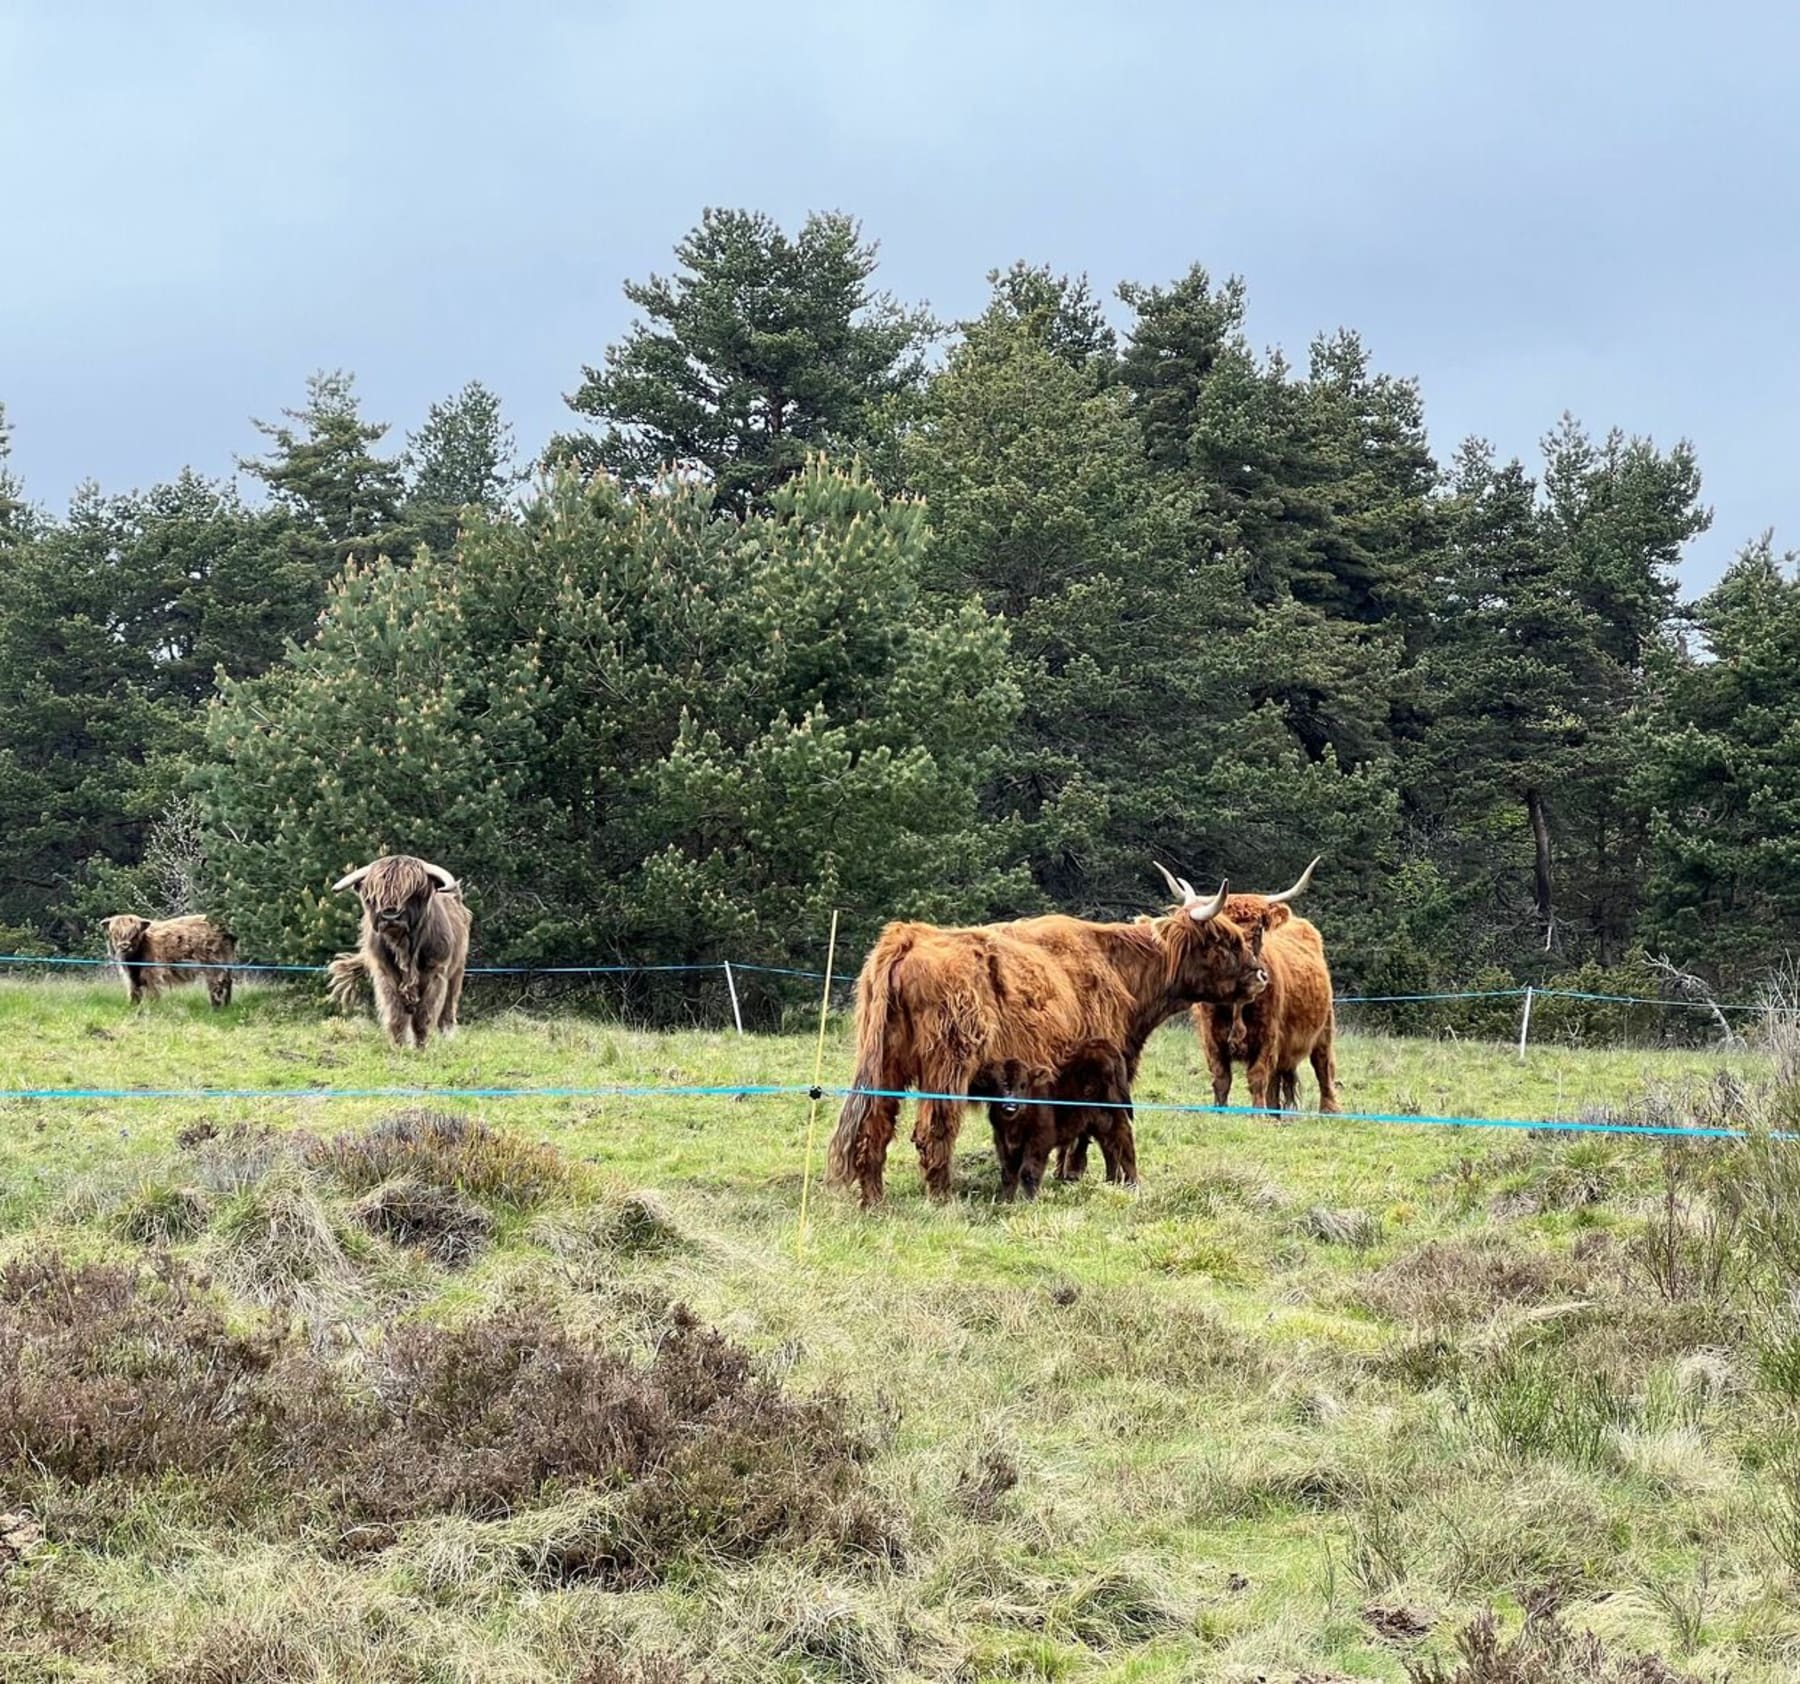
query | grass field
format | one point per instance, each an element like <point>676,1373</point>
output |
<point>1319,1396</point>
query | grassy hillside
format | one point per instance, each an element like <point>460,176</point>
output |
<point>1318,1397</point>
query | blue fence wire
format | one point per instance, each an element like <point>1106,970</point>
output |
<point>744,969</point>
<point>802,1090</point>
<point>473,970</point>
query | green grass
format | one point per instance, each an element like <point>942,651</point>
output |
<point>1224,1437</point>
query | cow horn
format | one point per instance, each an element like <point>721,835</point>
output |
<point>1299,887</point>
<point>440,876</point>
<point>1204,911</point>
<point>1177,888</point>
<point>352,880</point>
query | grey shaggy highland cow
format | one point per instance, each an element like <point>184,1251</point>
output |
<point>415,947</point>
<point>159,953</point>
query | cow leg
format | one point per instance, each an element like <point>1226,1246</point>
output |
<point>1218,1061</point>
<point>934,1134</point>
<point>425,1015</point>
<point>1263,1092</point>
<point>390,1010</point>
<point>1029,1142</point>
<point>1324,1063</point>
<point>218,988</point>
<point>1072,1156</point>
<point>1010,1149</point>
<point>1287,1090</point>
<point>875,1120</point>
<point>1118,1147</point>
<point>452,1001</point>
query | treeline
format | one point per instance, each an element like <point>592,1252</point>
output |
<point>825,604</point>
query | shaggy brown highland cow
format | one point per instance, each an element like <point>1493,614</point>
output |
<point>1294,1019</point>
<point>154,954</point>
<point>940,1010</point>
<point>414,949</point>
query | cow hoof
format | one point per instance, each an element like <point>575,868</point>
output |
<point>448,1034</point>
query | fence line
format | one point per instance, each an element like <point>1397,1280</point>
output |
<point>815,1092</point>
<point>472,970</point>
<point>722,965</point>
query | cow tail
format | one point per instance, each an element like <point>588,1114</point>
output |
<point>874,998</point>
<point>344,974</point>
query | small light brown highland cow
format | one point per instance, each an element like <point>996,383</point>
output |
<point>154,954</point>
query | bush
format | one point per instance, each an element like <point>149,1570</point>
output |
<point>111,1378</point>
<point>445,1152</point>
<point>1544,1652</point>
<point>437,1221</point>
<point>106,1373</point>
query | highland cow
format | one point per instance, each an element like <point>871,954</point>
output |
<point>414,947</point>
<point>154,954</point>
<point>937,1008</point>
<point>1088,1098</point>
<point>1293,1021</point>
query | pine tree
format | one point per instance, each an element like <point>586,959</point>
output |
<point>1543,613</point>
<point>87,724</point>
<point>392,731</point>
<point>14,513</point>
<point>345,501</point>
<point>1162,712</point>
<point>635,729</point>
<point>757,351</point>
<point>461,458</point>
<point>1720,777</point>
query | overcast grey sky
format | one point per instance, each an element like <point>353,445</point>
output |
<point>1529,207</point>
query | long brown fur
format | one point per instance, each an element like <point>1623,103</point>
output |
<point>1293,1021</point>
<point>146,949</point>
<point>415,962</point>
<point>936,1008</point>
<point>1026,1130</point>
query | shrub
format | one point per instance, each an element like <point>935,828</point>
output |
<point>117,1380</point>
<point>1544,1652</point>
<point>437,1221</point>
<point>442,1150</point>
<point>106,1373</point>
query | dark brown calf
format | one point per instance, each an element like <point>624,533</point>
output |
<point>1092,1092</point>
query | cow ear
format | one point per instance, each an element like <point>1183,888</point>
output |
<point>1277,915</point>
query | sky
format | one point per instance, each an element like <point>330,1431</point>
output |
<point>1530,208</point>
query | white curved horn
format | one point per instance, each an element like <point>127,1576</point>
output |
<point>352,880</point>
<point>440,876</point>
<point>1204,911</point>
<point>1299,888</point>
<point>1177,888</point>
